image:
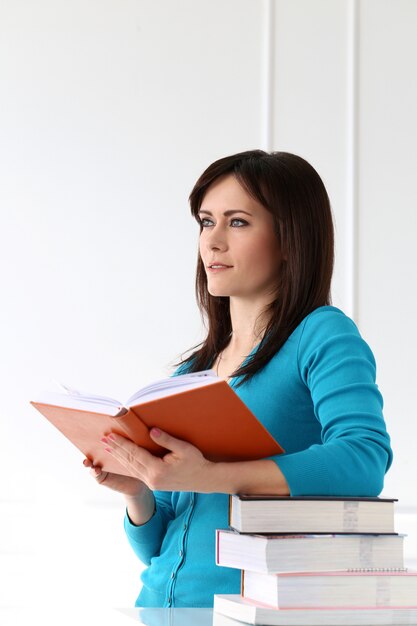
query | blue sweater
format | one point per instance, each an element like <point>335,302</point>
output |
<point>318,398</point>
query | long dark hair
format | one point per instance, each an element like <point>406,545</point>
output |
<point>291,189</point>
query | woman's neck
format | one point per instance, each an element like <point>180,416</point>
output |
<point>249,321</point>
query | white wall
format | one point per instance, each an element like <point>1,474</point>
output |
<point>108,113</point>
<point>387,219</point>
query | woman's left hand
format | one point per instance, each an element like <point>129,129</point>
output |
<point>183,468</point>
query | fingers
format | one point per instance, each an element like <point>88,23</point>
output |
<point>143,465</point>
<point>133,456</point>
<point>95,470</point>
<point>162,438</point>
<point>98,474</point>
<point>135,459</point>
<point>125,449</point>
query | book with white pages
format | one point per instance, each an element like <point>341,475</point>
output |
<point>355,589</point>
<point>311,514</point>
<point>232,609</point>
<point>308,552</point>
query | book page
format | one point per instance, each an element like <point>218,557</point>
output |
<point>172,385</point>
<point>85,401</point>
<point>80,401</point>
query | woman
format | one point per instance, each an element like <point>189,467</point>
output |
<point>263,282</point>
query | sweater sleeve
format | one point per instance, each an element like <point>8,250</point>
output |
<point>146,540</point>
<point>338,368</point>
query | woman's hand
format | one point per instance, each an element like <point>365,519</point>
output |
<point>126,485</point>
<point>183,468</point>
<point>139,498</point>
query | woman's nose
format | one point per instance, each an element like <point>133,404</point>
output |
<point>216,239</point>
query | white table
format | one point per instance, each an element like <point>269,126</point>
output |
<point>88,616</point>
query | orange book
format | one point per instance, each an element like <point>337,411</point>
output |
<point>199,408</point>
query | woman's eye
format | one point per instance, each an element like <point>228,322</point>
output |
<point>235,222</point>
<point>241,222</point>
<point>203,221</point>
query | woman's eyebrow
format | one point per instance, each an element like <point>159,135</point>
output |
<point>226,213</point>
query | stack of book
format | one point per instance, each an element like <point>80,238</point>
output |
<point>313,561</point>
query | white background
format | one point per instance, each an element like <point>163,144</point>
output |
<point>109,111</point>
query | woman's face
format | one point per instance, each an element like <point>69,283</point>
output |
<point>238,235</point>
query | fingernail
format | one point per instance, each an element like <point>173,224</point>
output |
<point>107,450</point>
<point>111,437</point>
<point>104,440</point>
<point>155,432</point>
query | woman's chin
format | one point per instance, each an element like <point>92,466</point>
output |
<point>218,293</point>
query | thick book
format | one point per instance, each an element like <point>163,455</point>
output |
<point>308,553</point>
<point>356,589</point>
<point>228,608</point>
<point>311,514</point>
<point>200,408</point>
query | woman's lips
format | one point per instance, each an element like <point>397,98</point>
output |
<point>218,268</point>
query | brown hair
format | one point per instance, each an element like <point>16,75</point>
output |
<point>291,189</point>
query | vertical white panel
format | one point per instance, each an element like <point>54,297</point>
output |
<point>268,74</point>
<point>311,104</point>
<point>352,159</point>
<point>388,220</point>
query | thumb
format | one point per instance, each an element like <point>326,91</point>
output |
<point>167,441</point>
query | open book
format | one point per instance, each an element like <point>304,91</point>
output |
<point>200,408</point>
